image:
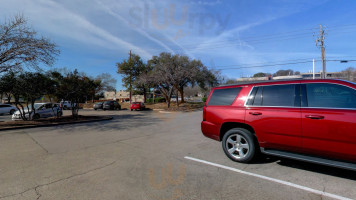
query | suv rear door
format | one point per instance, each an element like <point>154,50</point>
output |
<point>329,120</point>
<point>219,109</point>
<point>274,113</point>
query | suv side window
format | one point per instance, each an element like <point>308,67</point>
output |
<point>278,95</point>
<point>224,97</point>
<point>327,95</point>
<point>275,95</point>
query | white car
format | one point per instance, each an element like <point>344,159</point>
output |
<point>43,110</point>
<point>7,109</point>
<point>66,105</point>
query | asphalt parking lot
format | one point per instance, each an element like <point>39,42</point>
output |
<point>150,155</point>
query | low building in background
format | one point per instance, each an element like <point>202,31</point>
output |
<point>122,96</point>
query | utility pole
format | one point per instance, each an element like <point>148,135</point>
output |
<point>322,48</point>
<point>130,78</point>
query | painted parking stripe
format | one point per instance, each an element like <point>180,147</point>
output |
<point>326,194</point>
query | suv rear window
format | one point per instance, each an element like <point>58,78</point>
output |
<point>224,97</point>
<point>330,96</point>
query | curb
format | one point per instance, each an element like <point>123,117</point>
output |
<point>53,124</point>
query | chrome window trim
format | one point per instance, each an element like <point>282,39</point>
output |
<point>329,108</point>
<point>332,108</point>
<point>301,107</point>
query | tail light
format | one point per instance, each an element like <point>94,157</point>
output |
<point>204,113</point>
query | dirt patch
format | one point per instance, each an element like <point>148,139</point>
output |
<point>51,122</point>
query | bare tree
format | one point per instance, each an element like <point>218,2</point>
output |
<point>108,83</point>
<point>349,74</point>
<point>20,46</point>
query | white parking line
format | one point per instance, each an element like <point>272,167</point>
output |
<point>326,194</point>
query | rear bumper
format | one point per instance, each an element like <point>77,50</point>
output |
<point>210,130</point>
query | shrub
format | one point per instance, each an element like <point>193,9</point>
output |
<point>157,100</point>
<point>204,99</point>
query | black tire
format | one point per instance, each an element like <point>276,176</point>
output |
<point>12,111</point>
<point>95,109</point>
<point>59,114</point>
<point>239,150</point>
<point>131,109</point>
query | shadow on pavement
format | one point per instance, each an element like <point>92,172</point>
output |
<point>321,169</point>
<point>119,122</point>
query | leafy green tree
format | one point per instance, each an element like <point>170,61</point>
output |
<point>7,82</point>
<point>28,87</point>
<point>163,75</point>
<point>131,69</point>
<point>75,88</point>
<point>175,72</point>
<point>260,74</point>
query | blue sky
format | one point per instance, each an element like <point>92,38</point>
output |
<point>93,35</point>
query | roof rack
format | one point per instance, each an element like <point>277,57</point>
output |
<point>261,81</point>
<point>280,80</point>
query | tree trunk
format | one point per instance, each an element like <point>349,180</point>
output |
<point>168,102</point>
<point>8,98</point>
<point>177,98</point>
<point>181,91</point>
<point>144,95</point>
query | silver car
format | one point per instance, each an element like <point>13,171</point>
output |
<point>43,110</point>
<point>7,109</point>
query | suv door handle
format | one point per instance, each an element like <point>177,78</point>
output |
<point>314,116</point>
<point>255,113</point>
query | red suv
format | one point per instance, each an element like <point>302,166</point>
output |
<point>309,120</point>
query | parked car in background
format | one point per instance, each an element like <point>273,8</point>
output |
<point>137,106</point>
<point>42,110</point>
<point>7,109</point>
<point>111,105</point>
<point>308,120</point>
<point>98,105</point>
<point>66,105</point>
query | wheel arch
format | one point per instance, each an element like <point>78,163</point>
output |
<point>229,125</point>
